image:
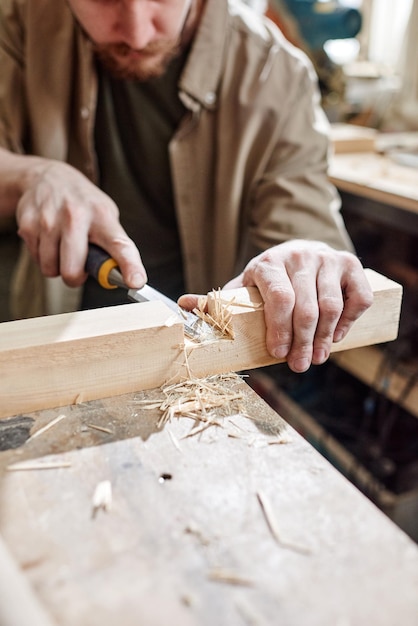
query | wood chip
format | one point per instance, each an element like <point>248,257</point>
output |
<point>42,430</point>
<point>222,314</point>
<point>41,465</point>
<point>273,526</point>
<point>221,317</point>
<point>174,440</point>
<point>229,577</point>
<point>101,428</point>
<point>280,440</point>
<point>102,497</point>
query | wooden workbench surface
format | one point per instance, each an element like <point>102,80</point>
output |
<point>376,177</point>
<point>187,540</point>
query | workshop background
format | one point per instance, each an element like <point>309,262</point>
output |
<point>359,411</point>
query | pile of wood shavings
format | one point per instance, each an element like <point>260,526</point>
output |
<point>205,400</point>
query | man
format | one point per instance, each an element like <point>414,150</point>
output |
<point>199,126</point>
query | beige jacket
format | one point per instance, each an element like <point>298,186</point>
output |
<point>249,160</point>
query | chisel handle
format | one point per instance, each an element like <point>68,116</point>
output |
<point>99,265</point>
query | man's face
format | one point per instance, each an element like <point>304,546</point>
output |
<point>135,38</point>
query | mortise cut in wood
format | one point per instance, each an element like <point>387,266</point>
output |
<point>75,357</point>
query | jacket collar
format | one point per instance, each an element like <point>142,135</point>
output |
<point>201,76</point>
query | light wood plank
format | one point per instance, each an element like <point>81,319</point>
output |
<point>375,176</point>
<point>64,359</point>
<point>351,138</point>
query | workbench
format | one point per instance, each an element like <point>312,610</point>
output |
<point>242,523</point>
<point>380,209</point>
<point>375,187</point>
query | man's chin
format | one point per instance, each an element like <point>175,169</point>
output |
<point>134,66</point>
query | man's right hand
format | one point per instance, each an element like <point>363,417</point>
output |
<point>59,212</point>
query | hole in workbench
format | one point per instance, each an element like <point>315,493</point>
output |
<point>164,477</point>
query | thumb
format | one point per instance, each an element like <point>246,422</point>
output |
<point>189,301</point>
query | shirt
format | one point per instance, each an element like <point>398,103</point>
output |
<point>135,122</point>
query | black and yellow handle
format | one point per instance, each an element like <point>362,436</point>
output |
<point>99,265</point>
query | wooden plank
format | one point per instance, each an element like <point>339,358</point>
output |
<point>170,550</point>
<point>351,138</point>
<point>65,359</point>
<point>376,177</point>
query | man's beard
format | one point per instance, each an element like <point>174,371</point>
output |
<point>124,62</point>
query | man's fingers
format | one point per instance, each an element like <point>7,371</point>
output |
<point>73,255</point>
<point>312,295</point>
<point>127,256</point>
<point>278,311</point>
<point>330,307</point>
<point>304,320</point>
<point>189,301</point>
<point>358,297</point>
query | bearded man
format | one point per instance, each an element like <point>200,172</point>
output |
<point>186,138</point>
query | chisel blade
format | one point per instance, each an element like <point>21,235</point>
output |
<point>194,327</point>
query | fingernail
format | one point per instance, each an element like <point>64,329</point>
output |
<point>281,352</point>
<point>338,335</point>
<point>301,365</point>
<point>138,280</point>
<point>320,356</point>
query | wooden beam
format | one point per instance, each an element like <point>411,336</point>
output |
<point>75,357</point>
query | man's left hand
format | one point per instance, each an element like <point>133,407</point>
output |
<point>312,296</point>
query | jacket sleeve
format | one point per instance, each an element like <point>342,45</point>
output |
<point>292,197</point>
<point>12,90</point>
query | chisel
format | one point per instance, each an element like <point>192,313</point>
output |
<point>102,267</point>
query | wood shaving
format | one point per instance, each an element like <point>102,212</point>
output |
<point>102,429</point>
<point>193,529</point>
<point>248,613</point>
<point>229,577</point>
<point>221,317</point>
<point>273,526</point>
<point>280,440</point>
<point>174,440</point>
<point>41,465</point>
<point>102,497</point>
<point>222,314</point>
<point>45,428</point>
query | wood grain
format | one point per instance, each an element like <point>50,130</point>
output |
<point>70,358</point>
<point>195,549</point>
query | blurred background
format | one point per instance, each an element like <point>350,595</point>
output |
<point>360,410</point>
<point>365,54</point>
